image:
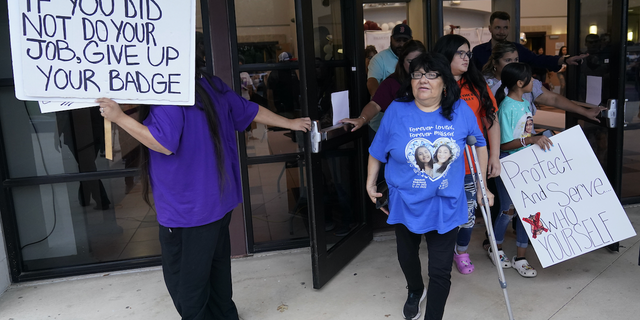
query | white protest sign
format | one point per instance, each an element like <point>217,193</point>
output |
<point>51,106</point>
<point>376,38</point>
<point>133,51</point>
<point>564,198</point>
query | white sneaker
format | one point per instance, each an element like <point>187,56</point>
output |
<point>524,268</point>
<point>504,261</point>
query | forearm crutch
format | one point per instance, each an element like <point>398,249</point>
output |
<point>486,214</point>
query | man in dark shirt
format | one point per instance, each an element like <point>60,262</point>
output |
<point>499,29</point>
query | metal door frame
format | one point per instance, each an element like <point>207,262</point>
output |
<point>615,135</point>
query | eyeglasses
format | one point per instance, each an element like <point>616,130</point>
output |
<point>461,54</point>
<point>430,75</point>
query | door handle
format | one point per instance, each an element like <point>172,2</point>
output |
<point>608,114</point>
<point>611,112</point>
<point>318,135</point>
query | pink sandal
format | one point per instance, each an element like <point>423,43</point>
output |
<point>463,263</point>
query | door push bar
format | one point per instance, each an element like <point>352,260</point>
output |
<point>318,135</point>
<point>609,114</point>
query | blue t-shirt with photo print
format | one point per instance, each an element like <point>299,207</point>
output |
<point>424,156</point>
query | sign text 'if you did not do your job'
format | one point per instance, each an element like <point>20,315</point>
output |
<point>138,51</point>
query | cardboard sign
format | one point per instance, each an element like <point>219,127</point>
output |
<point>564,198</point>
<point>133,51</point>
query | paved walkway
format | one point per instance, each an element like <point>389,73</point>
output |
<point>598,285</point>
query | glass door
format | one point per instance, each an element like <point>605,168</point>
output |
<point>330,41</point>
<point>608,77</point>
<point>293,55</point>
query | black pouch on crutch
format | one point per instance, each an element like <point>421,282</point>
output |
<point>478,181</point>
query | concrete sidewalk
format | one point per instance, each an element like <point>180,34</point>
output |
<point>598,285</point>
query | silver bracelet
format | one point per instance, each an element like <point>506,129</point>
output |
<point>363,118</point>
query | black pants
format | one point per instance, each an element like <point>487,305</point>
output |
<point>440,247</point>
<point>196,263</point>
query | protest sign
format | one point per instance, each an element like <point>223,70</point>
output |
<point>133,51</point>
<point>378,39</point>
<point>564,199</point>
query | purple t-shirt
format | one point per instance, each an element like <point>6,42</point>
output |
<point>185,184</point>
<point>387,92</point>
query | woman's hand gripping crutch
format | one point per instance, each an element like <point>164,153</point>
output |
<point>486,212</point>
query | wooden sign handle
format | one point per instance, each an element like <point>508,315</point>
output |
<point>108,144</point>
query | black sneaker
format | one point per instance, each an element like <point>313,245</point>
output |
<point>411,308</point>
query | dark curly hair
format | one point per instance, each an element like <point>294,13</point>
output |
<point>472,79</point>
<point>436,62</point>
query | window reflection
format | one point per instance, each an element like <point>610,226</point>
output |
<point>279,203</point>
<point>55,229</point>
<point>631,148</point>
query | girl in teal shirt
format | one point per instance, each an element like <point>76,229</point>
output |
<point>516,124</point>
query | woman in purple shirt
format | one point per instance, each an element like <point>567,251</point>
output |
<point>388,90</point>
<point>193,170</point>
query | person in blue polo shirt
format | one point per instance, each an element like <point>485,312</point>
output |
<point>384,63</point>
<point>499,29</point>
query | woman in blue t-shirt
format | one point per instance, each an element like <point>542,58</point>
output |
<point>191,163</point>
<point>432,116</point>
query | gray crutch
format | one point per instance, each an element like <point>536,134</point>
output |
<point>486,214</point>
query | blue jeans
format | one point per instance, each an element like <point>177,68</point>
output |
<point>503,219</point>
<point>464,233</point>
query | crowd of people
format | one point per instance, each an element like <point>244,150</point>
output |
<point>190,159</point>
<point>494,98</point>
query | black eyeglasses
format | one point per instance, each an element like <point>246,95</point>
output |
<point>430,75</point>
<point>461,54</point>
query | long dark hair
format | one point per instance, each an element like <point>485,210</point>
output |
<point>472,79</point>
<point>498,51</point>
<point>423,165</point>
<point>204,103</point>
<point>560,51</point>
<point>511,74</point>
<point>409,47</point>
<point>446,163</point>
<point>436,62</point>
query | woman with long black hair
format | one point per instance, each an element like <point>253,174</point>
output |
<point>190,161</point>
<point>473,90</point>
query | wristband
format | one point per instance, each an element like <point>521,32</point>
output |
<point>363,118</point>
<point>522,142</point>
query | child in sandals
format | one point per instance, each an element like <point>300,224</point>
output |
<point>516,124</point>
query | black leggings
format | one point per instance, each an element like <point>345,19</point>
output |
<point>440,248</point>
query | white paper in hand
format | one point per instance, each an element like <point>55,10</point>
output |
<point>340,105</point>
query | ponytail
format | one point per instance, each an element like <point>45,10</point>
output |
<point>511,74</point>
<point>500,95</point>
